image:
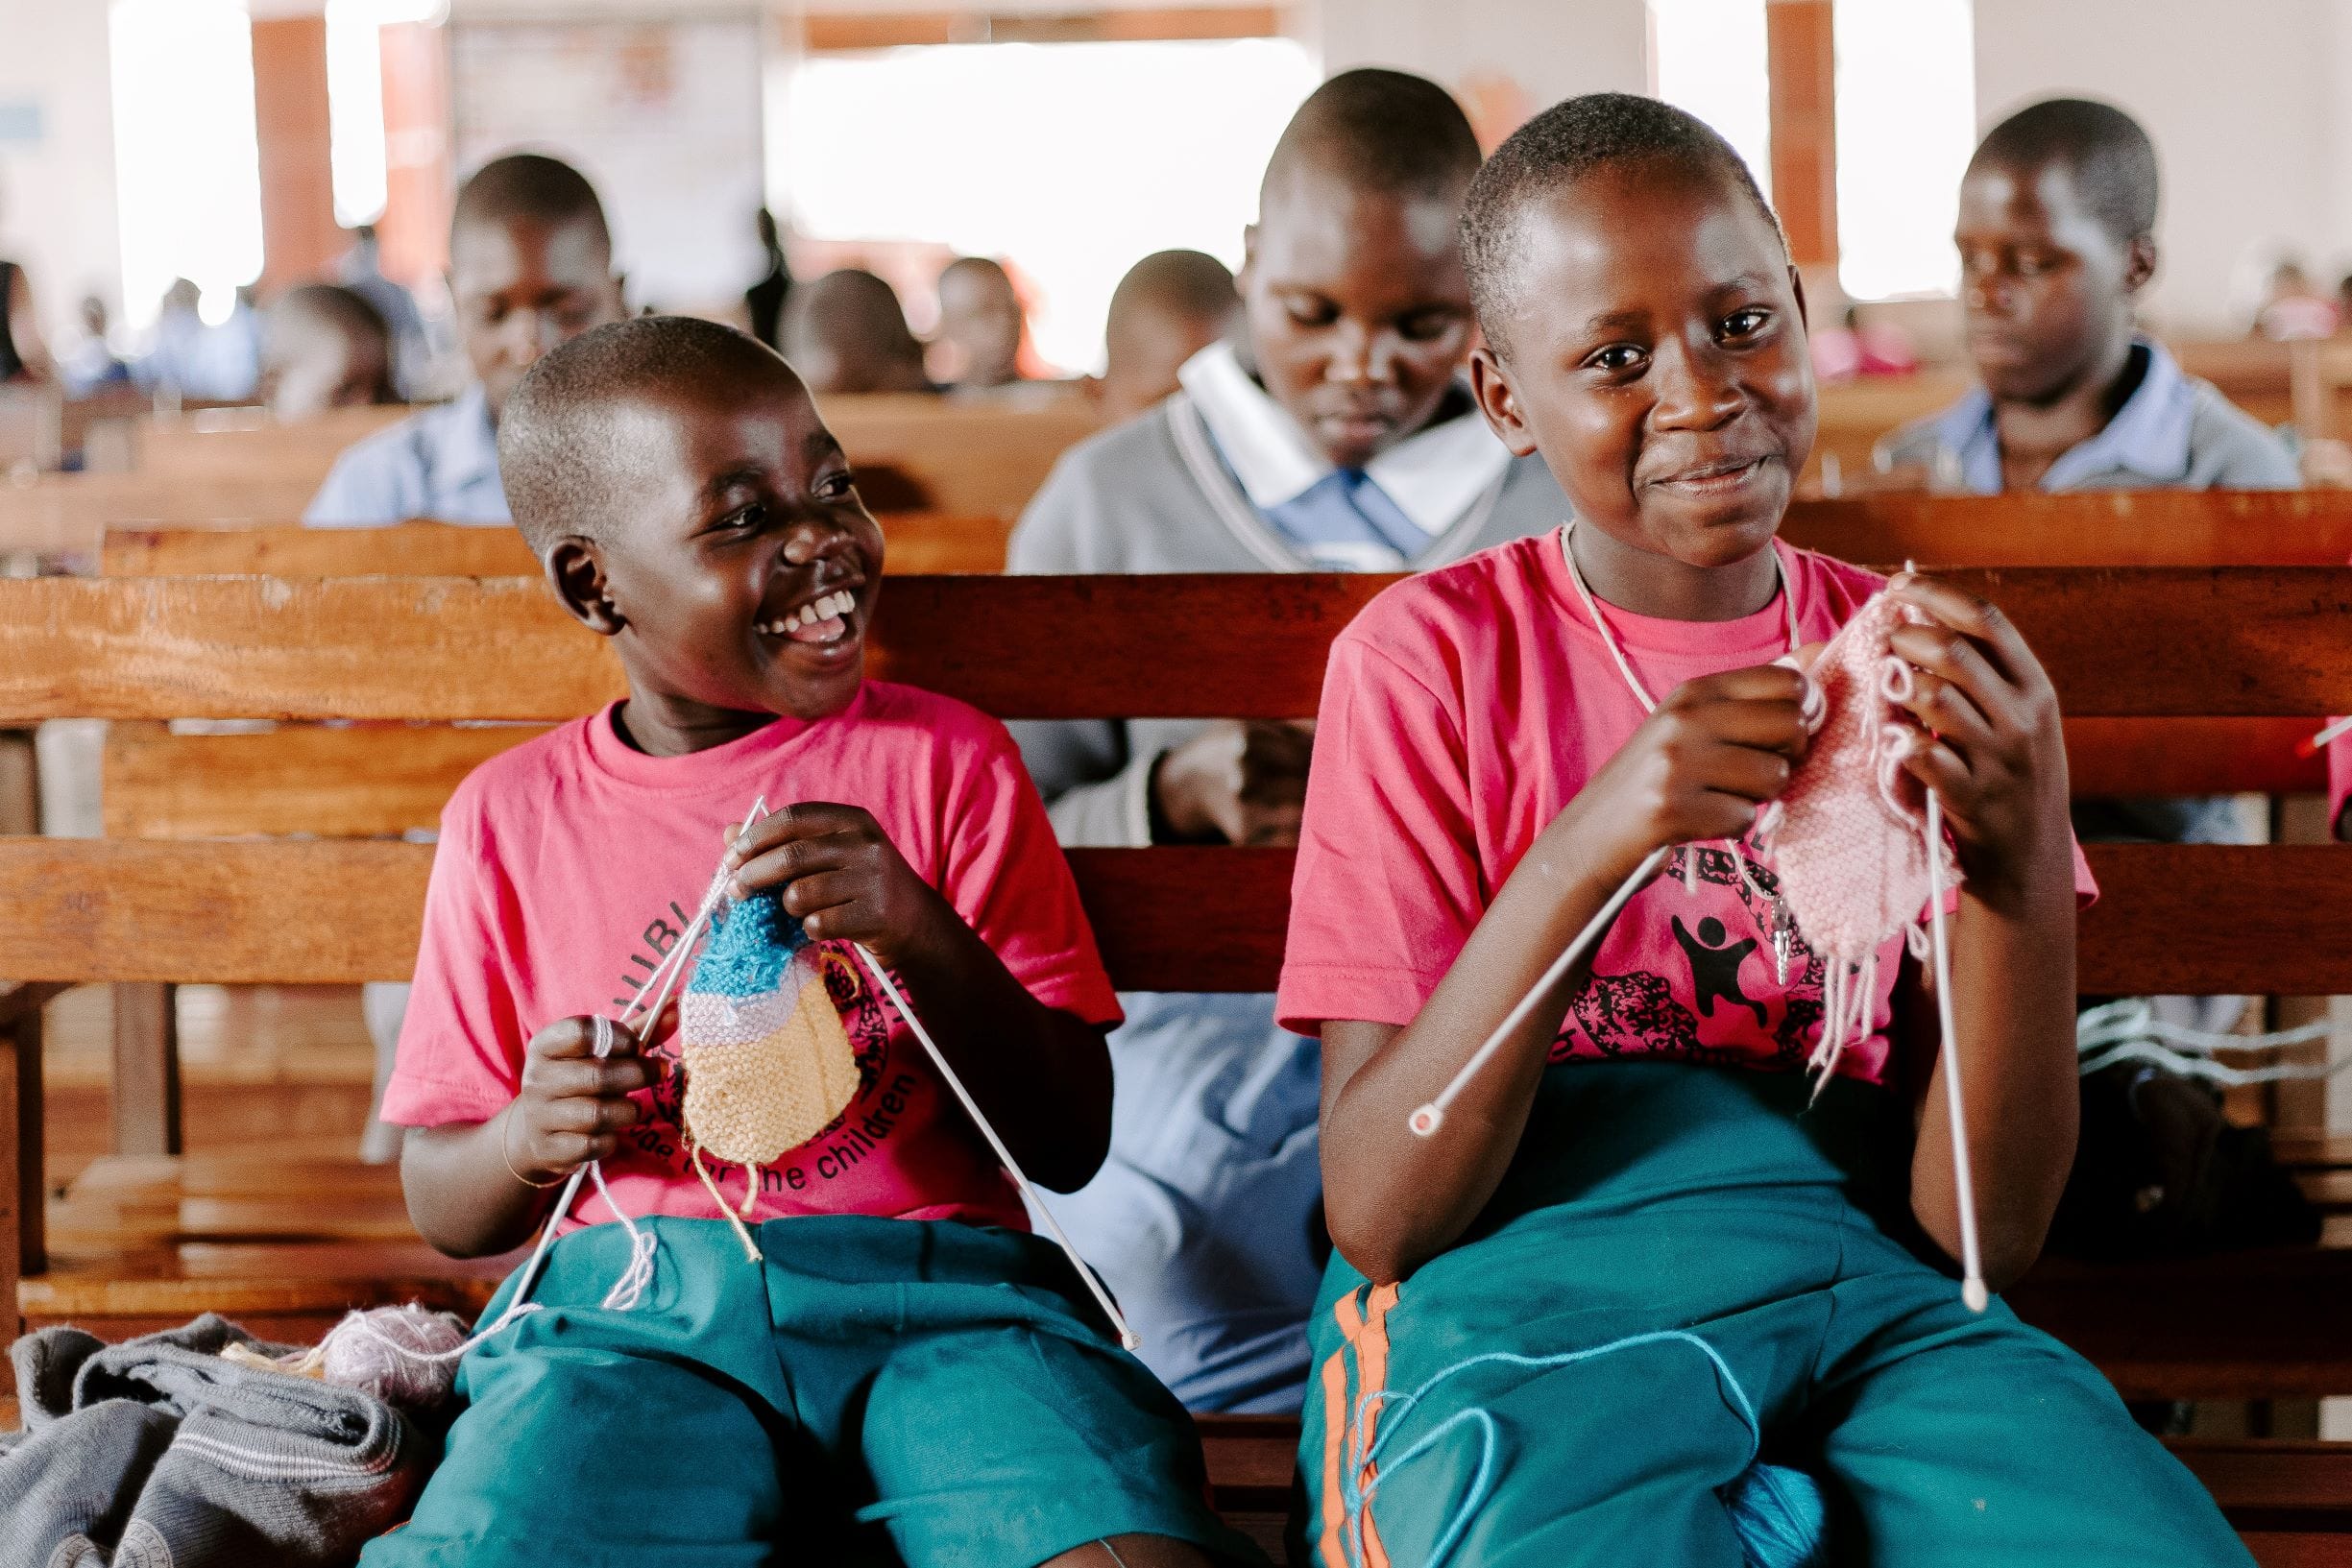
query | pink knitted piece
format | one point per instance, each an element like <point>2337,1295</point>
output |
<point>1850,841</point>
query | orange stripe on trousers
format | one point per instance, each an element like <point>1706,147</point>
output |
<point>1365,1333</point>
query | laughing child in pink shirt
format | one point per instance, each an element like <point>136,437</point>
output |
<point>906,1374</point>
<point>1637,1256</point>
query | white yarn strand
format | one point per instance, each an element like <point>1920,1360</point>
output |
<point>638,1273</point>
<point>1127,1337</point>
<point>1963,1177</point>
<point>1426,1121</point>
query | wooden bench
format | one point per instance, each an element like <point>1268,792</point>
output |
<point>161,1239</point>
<point>2126,646</point>
<point>918,541</point>
<point>973,457</point>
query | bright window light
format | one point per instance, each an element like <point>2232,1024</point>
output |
<point>973,147</point>
<point>187,164</point>
<point>1907,123</point>
<point>186,158</point>
<point>356,98</point>
<point>1711,57</point>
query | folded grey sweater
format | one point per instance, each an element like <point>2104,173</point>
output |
<point>155,1453</point>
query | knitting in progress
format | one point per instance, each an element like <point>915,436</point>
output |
<point>1858,846</point>
<point>769,1064</point>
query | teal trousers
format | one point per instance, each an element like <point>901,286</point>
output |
<point>1687,1269</point>
<point>873,1392</point>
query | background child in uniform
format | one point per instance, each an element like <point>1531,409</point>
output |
<point>530,267</point>
<point>1167,308</point>
<point>2057,237</point>
<point>907,1369</point>
<point>1639,1252</point>
<point>847,332</point>
<point>324,347</point>
<point>1333,432</point>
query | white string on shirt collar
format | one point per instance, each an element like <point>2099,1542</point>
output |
<point>1609,639</point>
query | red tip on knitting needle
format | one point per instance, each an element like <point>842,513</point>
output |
<point>2309,746</point>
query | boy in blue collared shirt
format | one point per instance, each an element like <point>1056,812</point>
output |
<point>2057,238</point>
<point>530,268</point>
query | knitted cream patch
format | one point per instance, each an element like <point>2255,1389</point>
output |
<point>769,1064</point>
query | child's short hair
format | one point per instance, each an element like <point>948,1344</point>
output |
<point>2109,155</point>
<point>529,185</point>
<point>1559,147</point>
<point>1382,130</point>
<point>558,452</point>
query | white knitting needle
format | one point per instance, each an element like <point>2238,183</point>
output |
<point>1426,1121</point>
<point>665,974</point>
<point>1972,1261</point>
<point>1127,1337</point>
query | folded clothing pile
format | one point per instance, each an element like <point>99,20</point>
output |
<point>161,1453</point>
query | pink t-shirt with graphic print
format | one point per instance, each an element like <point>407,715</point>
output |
<point>568,866</point>
<point>1461,712</point>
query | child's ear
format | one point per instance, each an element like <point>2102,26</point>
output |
<point>2138,263</point>
<point>1491,385</point>
<point>575,571</point>
<point>1796,286</point>
<point>1250,256</point>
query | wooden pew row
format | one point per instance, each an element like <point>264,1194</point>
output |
<point>974,456</point>
<point>2256,919</point>
<point>914,542</point>
<point>2139,642</point>
<point>2122,528</point>
<point>369,782</point>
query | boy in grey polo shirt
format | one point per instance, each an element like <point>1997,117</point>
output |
<point>1333,435</point>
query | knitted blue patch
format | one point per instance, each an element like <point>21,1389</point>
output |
<point>751,947</point>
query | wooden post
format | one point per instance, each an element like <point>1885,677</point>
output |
<point>300,240</point>
<point>1802,58</point>
<point>23,1180</point>
<point>146,1070</point>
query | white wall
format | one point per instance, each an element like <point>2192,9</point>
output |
<point>1552,49</point>
<point>57,194</point>
<point>2250,107</point>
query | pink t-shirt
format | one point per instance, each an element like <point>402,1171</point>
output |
<point>568,866</point>
<point>1461,712</point>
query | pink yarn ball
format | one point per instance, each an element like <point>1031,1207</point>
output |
<point>405,1355</point>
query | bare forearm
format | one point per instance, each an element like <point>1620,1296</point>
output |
<point>1042,1075</point>
<point>463,1196</point>
<point>1394,1200</point>
<point>2013,1001</point>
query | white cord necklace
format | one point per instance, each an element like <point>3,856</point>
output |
<point>1778,927</point>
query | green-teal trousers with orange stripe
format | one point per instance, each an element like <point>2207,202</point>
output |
<point>871,1392</point>
<point>1687,1269</point>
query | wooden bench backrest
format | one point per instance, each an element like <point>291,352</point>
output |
<point>976,457</point>
<point>916,542</point>
<point>164,786</point>
<point>2227,644</point>
<point>2117,528</point>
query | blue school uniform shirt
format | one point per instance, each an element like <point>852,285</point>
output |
<point>1204,1218</point>
<point>1378,517</point>
<point>2175,431</point>
<point>440,464</point>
